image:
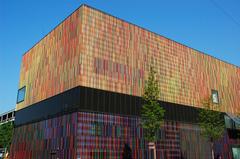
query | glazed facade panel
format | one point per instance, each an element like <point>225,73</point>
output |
<point>97,50</point>
<point>100,136</point>
<point>104,136</point>
<point>46,139</point>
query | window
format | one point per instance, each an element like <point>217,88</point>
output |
<point>228,122</point>
<point>232,122</point>
<point>236,152</point>
<point>10,115</point>
<point>215,98</point>
<point>5,117</point>
<point>97,129</point>
<point>160,134</point>
<point>21,94</point>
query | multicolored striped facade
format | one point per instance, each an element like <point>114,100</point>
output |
<point>102,136</point>
<point>83,83</point>
<point>97,50</point>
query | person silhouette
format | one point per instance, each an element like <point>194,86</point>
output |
<point>127,152</point>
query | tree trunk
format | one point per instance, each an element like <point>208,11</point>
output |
<point>152,146</point>
<point>212,150</point>
<point>155,153</point>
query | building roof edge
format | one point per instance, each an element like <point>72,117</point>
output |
<point>85,5</point>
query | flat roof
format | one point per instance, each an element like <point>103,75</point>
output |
<point>10,111</point>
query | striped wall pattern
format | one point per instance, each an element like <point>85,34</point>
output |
<point>93,49</point>
<point>40,140</point>
<point>102,136</point>
<point>223,147</point>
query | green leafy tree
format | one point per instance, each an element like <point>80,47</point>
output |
<point>211,122</point>
<point>6,132</point>
<point>151,112</point>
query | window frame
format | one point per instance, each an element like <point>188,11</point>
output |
<point>213,92</point>
<point>236,147</point>
<point>19,101</point>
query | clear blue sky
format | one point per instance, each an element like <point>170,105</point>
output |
<point>211,26</point>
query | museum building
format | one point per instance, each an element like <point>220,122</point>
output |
<point>80,91</point>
